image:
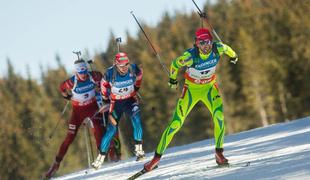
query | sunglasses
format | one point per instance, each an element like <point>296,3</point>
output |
<point>81,70</point>
<point>205,42</point>
<point>123,65</point>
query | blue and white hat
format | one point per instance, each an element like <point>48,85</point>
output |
<point>80,67</point>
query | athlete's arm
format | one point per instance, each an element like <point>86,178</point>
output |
<point>65,87</point>
<point>139,73</point>
<point>181,61</point>
<point>97,76</point>
<point>225,49</point>
<point>104,86</point>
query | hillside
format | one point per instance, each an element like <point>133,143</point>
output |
<point>280,151</point>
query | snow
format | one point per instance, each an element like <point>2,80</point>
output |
<point>280,151</point>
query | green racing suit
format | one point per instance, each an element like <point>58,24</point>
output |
<point>200,85</point>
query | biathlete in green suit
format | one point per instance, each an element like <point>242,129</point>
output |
<point>200,85</point>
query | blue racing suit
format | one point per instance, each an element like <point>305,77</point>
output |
<point>121,90</point>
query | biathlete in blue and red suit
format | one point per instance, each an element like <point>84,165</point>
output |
<point>119,86</point>
<point>81,90</point>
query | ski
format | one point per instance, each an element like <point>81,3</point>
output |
<point>140,173</point>
<point>229,165</point>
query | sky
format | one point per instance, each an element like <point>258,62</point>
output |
<point>279,151</point>
<point>33,31</point>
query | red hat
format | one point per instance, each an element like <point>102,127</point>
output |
<point>121,58</point>
<point>203,34</point>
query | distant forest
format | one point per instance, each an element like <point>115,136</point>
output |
<point>269,84</point>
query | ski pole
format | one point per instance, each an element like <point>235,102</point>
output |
<point>88,144</point>
<point>149,41</point>
<point>91,144</point>
<point>62,114</point>
<point>204,16</point>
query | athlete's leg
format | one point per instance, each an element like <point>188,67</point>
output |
<point>110,132</point>
<point>214,103</point>
<point>185,104</point>
<point>132,109</point>
<point>74,124</point>
<point>79,113</point>
<point>106,140</point>
<point>105,143</point>
<point>117,144</point>
<point>114,152</point>
<point>114,147</point>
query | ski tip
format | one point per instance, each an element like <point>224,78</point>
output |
<point>140,173</point>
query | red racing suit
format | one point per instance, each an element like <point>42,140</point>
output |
<point>83,105</point>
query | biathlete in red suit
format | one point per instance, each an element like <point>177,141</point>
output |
<point>81,90</point>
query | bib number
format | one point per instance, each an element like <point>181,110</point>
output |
<point>201,74</point>
<point>204,72</point>
<point>123,90</point>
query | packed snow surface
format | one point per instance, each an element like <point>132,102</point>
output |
<point>280,151</point>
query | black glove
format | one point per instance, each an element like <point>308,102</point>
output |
<point>68,97</point>
<point>203,15</point>
<point>173,83</point>
<point>233,60</point>
<point>136,88</point>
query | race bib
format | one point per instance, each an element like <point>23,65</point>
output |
<point>201,74</point>
<point>83,97</point>
<point>123,91</point>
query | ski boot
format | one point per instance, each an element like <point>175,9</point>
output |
<point>153,164</point>
<point>52,170</point>
<point>99,161</point>
<point>139,152</point>
<point>219,157</point>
